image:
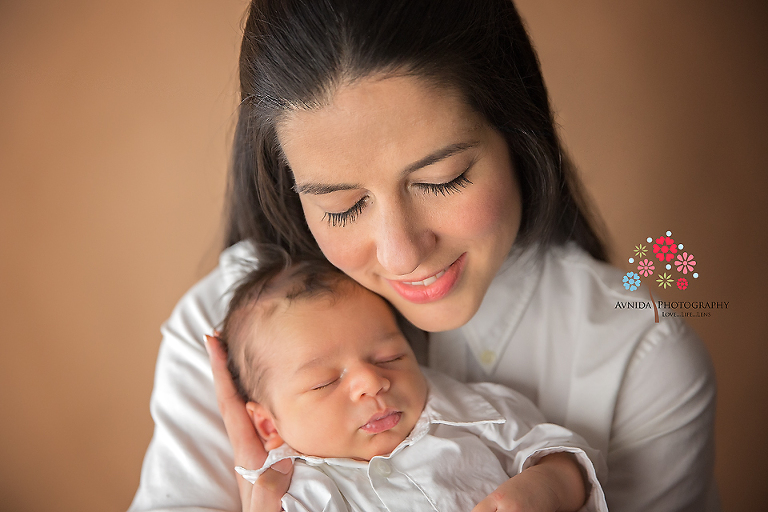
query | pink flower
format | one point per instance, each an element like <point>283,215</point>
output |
<point>664,248</point>
<point>645,268</point>
<point>685,263</point>
<point>682,283</point>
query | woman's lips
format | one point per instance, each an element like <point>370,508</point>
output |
<point>432,288</point>
<point>382,421</point>
<point>428,281</point>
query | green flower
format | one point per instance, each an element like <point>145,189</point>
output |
<point>664,280</point>
<point>640,250</point>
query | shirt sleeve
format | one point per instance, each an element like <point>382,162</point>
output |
<point>189,464</point>
<point>661,453</point>
<point>525,439</point>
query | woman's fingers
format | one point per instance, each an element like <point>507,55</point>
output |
<point>487,505</point>
<point>247,446</point>
<point>271,486</point>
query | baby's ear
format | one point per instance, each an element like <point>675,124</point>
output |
<point>264,422</point>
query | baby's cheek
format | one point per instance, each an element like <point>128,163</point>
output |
<point>310,434</point>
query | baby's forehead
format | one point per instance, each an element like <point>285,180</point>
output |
<point>277,314</point>
<point>277,307</point>
<point>280,303</point>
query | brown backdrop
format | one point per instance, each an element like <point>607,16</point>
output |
<point>115,123</point>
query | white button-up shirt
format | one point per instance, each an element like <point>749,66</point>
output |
<point>641,393</point>
<point>468,440</point>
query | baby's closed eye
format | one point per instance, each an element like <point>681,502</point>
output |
<point>325,384</point>
<point>391,359</point>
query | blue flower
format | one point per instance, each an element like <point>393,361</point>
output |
<point>631,281</point>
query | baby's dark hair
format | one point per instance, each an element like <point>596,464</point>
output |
<point>278,281</point>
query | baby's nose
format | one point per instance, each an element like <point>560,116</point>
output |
<point>368,381</point>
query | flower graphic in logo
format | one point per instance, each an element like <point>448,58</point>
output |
<point>631,281</point>
<point>669,253</point>
<point>664,280</point>
<point>685,263</point>
<point>665,248</point>
<point>645,268</point>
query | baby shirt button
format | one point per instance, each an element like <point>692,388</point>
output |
<point>382,468</point>
<point>488,357</point>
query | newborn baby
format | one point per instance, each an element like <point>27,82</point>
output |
<point>331,382</point>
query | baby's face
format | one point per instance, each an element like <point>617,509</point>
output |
<point>342,380</point>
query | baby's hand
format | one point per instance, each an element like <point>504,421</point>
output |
<point>555,484</point>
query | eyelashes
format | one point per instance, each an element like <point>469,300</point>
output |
<point>444,189</point>
<point>384,362</point>
<point>323,386</point>
<point>341,219</point>
<point>396,358</point>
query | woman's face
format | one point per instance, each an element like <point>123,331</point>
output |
<point>409,192</point>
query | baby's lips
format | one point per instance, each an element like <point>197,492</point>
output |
<point>382,421</point>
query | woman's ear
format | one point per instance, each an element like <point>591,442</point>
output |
<point>264,421</point>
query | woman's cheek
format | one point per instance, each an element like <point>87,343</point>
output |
<point>486,213</point>
<point>342,252</point>
<point>328,238</point>
<point>340,246</point>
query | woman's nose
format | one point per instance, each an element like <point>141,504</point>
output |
<point>368,381</point>
<point>402,240</point>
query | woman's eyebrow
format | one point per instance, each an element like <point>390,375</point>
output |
<point>439,155</point>
<point>321,188</point>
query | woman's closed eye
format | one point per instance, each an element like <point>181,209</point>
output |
<point>439,189</point>
<point>341,218</point>
<point>444,189</point>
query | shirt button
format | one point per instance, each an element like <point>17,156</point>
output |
<point>488,357</point>
<point>382,468</point>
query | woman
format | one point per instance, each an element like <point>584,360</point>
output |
<point>412,144</point>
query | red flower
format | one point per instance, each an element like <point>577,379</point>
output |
<point>665,248</point>
<point>682,283</point>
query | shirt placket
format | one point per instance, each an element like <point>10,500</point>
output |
<point>395,489</point>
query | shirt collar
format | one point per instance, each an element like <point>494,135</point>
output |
<point>448,403</point>
<point>452,403</point>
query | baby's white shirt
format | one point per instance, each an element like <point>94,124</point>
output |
<point>469,439</point>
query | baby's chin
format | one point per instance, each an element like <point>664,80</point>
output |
<point>381,445</point>
<point>364,445</point>
<point>364,449</point>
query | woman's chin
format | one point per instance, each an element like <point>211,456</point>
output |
<point>438,316</point>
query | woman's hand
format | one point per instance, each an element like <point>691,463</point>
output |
<point>265,494</point>
<point>555,484</point>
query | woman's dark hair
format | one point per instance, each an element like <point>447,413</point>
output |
<point>296,52</point>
